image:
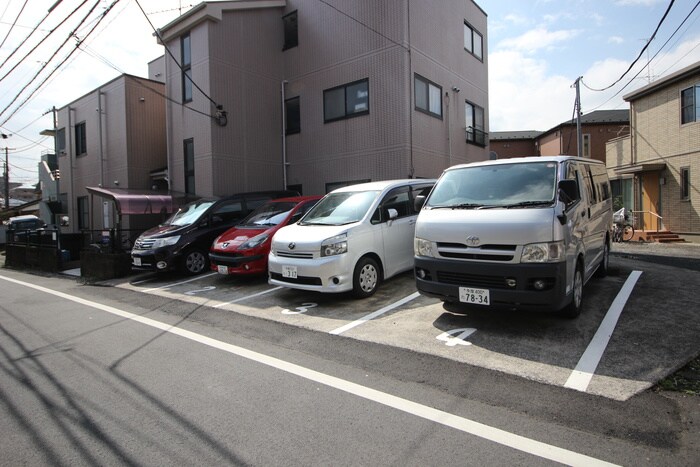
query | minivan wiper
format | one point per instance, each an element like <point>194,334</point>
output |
<point>525,204</point>
<point>467,206</point>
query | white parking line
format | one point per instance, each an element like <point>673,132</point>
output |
<point>371,316</point>
<point>583,373</point>
<point>180,283</point>
<point>247,297</point>
<point>470,427</point>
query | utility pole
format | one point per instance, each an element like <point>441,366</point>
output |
<point>577,108</point>
<point>7,174</point>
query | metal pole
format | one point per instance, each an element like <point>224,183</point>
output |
<point>7,181</point>
<point>284,138</point>
<point>579,135</point>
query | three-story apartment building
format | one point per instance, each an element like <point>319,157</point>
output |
<point>313,95</point>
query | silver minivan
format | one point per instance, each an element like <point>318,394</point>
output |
<point>522,233</point>
<point>351,240</point>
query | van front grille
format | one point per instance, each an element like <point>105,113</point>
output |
<point>472,280</point>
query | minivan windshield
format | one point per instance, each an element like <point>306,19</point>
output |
<point>268,215</point>
<point>341,208</point>
<point>189,213</point>
<point>519,185</point>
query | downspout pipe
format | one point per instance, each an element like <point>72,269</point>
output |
<point>284,136</point>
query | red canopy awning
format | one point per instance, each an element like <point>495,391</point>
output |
<point>128,201</point>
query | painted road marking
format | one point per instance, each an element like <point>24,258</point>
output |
<point>247,297</point>
<point>371,316</point>
<point>480,430</point>
<point>451,340</point>
<point>180,283</point>
<point>581,377</point>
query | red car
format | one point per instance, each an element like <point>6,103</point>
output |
<point>243,249</point>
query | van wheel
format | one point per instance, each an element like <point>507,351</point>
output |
<point>366,278</point>
<point>573,309</point>
<point>194,262</point>
<point>602,270</point>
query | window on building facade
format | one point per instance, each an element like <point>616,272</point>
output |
<point>348,100</point>
<point>292,116</point>
<point>474,116</point>
<point>473,41</point>
<point>61,141</point>
<point>690,104</point>
<point>291,31</point>
<point>186,63</point>
<point>685,183</point>
<point>586,150</point>
<point>83,213</point>
<point>189,166</point>
<point>428,96</point>
<point>80,139</point>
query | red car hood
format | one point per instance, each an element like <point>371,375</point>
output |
<point>235,237</point>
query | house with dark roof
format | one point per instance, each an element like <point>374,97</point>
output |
<point>597,127</point>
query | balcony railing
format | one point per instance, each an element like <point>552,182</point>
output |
<point>476,136</point>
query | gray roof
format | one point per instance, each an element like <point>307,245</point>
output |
<point>605,116</point>
<point>513,135</point>
<point>673,78</point>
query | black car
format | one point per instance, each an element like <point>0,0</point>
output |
<point>183,241</point>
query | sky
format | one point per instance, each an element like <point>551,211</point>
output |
<point>536,51</point>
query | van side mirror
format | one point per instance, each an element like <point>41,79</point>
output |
<point>419,202</point>
<point>393,213</point>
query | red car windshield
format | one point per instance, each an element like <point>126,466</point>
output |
<point>268,215</point>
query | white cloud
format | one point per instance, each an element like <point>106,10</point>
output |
<point>638,2</point>
<point>537,39</point>
<point>616,40</point>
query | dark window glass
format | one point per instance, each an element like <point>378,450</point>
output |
<point>61,141</point>
<point>83,213</point>
<point>473,41</point>
<point>685,183</point>
<point>292,115</point>
<point>80,139</point>
<point>189,166</point>
<point>474,119</point>
<point>690,105</point>
<point>428,96</point>
<point>291,31</point>
<point>186,61</point>
<point>349,100</point>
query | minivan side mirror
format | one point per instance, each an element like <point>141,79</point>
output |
<point>419,202</point>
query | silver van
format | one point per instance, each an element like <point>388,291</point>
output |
<point>522,233</point>
<point>351,240</point>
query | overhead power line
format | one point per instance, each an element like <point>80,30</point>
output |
<point>40,42</point>
<point>14,23</point>
<point>640,53</point>
<point>24,41</point>
<point>102,16</point>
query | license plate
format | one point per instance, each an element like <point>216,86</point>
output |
<point>289,271</point>
<point>136,261</point>
<point>222,269</point>
<point>474,296</point>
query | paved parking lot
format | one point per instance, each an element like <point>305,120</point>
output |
<point>639,324</point>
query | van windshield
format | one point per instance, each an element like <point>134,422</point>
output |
<point>520,185</point>
<point>340,208</point>
<point>189,213</point>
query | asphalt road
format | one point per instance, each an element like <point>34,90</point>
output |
<point>103,375</point>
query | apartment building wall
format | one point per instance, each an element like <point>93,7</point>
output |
<point>124,138</point>
<point>239,61</point>
<point>514,148</point>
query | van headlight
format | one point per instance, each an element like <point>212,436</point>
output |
<point>551,252</point>
<point>422,247</point>
<point>166,241</point>
<point>335,245</point>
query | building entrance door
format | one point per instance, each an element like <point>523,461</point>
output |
<point>651,201</point>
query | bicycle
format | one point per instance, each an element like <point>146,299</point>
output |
<point>622,232</point>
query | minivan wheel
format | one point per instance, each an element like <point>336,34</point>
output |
<point>366,278</point>
<point>602,270</point>
<point>573,309</point>
<point>195,262</point>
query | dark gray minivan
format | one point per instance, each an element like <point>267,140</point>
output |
<point>183,240</point>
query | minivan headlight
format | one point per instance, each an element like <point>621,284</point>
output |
<point>166,241</point>
<point>255,241</point>
<point>551,252</point>
<point>422,247</point>
<point>335,245</point>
